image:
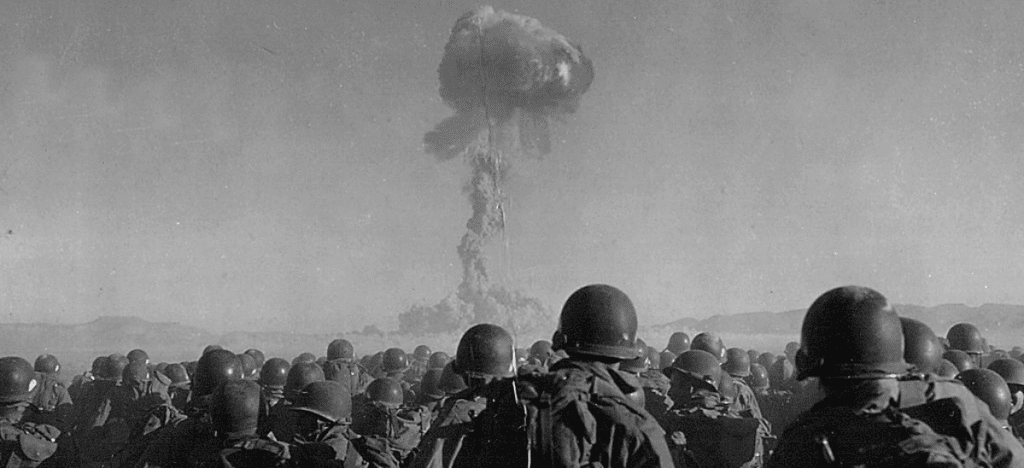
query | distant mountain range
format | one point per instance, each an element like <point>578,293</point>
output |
<point>77,344</point>
<point>1002,320</point>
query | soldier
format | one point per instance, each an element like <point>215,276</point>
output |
<point>597,330</point>
<point>138,355</point>
<point>280,421</point>
<point>249,369</point>
<point>711,343</point>
<point>990,387</point>
<point>418,366</point>
<point>921,347</point>
<point>180,385</point>
<point>429,395</point>
<point>389,430</point>
<point>655,390</point>
<point>93,407</point>
<point>175,440</point>
<point>485,354</point>
<point>306,358</point>
<point>75,389</point>
<point>666,358</point>
<point>704,426</point>
<point>853,345</point>
<point>791,350</point>
<point>234,410</point>
<point>1012,371</point>
<point>341,366</point>
<point>51,402</point>
<point>677,343</point>
<point>22,444</point>
<point>960,359</point>
<point>273,377</point>
<point>438,360</point>
<point>967,338</point>
<point>323,423</point>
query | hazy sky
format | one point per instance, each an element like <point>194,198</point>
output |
<point>257,164</point>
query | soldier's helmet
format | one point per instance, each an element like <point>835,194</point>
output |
<point>209,348</point>
<point>214,368</point>
<point>176,372</point>
<point>851,331</point>
<point>98,366</point>
<point>113,367</point>
<point>699,365</point>
<point>1016,352</point>
<point>710,342</point>
<point>1011,370</point>
<point>340,349</point>
<point>248,365</point>
<point>235,406</point>
<point>597,320</point>
<point>947,369</point>
<point>386,391</point>
<point>791,349</point>
<point>753,354</point>
<point>47,364</point>
<point>135,373</point>
<point>485,350</point>
<point>758,379</point>
<point>737,362</point>
<point>960,359</point>
<point>921,347</point>
<point>654,358</point>
<point>138,355</point>
<point>300,375</point>
<point>966,338</point>
<point>678,342</point>
<point>766,359</point>
<point>274,373</point>
<point>307,357</point>
<point>640,362</point>
<point>989,387</point>
<point>666,358</point>
<point>394,360</point>
<point>258,356</point>
<point>450,381</point>
<point>17,380</point>
<point>541,351</point>
<point>326,399</point>
<point>781,373</point>
<point>438,360</point>
<point>422,353</point>
<point>429,385</point>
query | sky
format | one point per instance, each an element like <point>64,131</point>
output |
<point>258,165</point>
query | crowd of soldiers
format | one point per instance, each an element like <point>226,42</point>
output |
<point>864,387</point>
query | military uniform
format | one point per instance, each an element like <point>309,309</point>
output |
<point>52,402</point>
<point>349,373</point>
<point>451,424</point>
<point>26,444</point>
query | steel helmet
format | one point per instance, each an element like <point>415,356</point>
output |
<point>300,375</point>
<point>989,387</point>
<point>258,356</point>
<point>17,380</point>
<point>710,342</point>
<point>386,391</point>
<point>851,331</point>
<point>960,359</point>
<point>1016,352</point>
<point>248,365</point>
<point>340,349</point>
<point>666,358</point>
<point>451,382</point>
<point>212,347</point>
<point>1011,370</point>
<point>758,377</point>
<point>485,350</point>
<point>698,364</point>
<point>791,349</point>
<point>395,360</point>
<point>135,373</point>
<point>639,363</point>
<point>678,343</point>
<point>307,357</point>
<point>541,351</point>
<point>654,357</point>
<point>966,338</point>
<point>274,373</point>
<point>235,406</point>
<point>214,368</point>
<point>326,399</point>
<point>176,372</point>
<point>422,353</point>
<point>597,320</point>
<point>429,385</point>
<point>47,364</point>
<point>921,346</point>
<point>947,369</point>
<point>138,355</point>
<point>438,360</point>
<point>737,362</point>
<point>114,367</point>
<point>766,359</point>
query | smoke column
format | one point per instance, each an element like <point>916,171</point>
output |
<point>504,75</point>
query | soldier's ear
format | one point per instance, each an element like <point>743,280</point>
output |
<point>1018,401</point>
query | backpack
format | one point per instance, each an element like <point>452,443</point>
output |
<point>27,444</point>
<point>387,436</point>
<point>841,436</point>
<point>547,420</point>
<point>254,453</point>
